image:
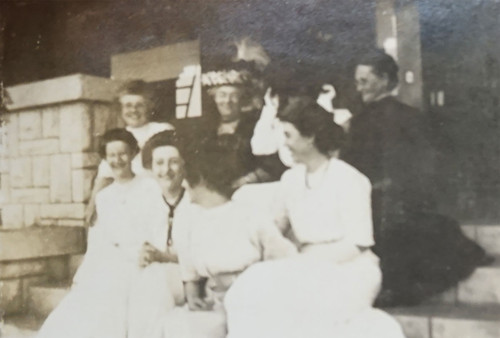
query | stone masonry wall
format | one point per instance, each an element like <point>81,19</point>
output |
<point>51,151</point>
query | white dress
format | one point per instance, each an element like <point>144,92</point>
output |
<point>112,297</point>
<point>218,245</point>
<point>313,294</point>
<point>141,134</point>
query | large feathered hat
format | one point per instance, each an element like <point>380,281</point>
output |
<point>241,65</point>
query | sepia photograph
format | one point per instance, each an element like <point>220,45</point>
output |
<point>249,168</point>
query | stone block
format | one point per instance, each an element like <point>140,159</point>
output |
<point>60,211</point>
<point>60,178</point>
<point>30,195</point>
<point>12,216</point>
<point>461,327</point>
<point>10,270</point>
<point>82,184</point>
<point>32,214</point>
<point>20,172</point>
<point>482,287</point>
<point>105,118</point>
<point>12,299</point>
<point>4,163</point>
<point>74,263</point>
<point>85,160</point>
<point>75,128</point>
<point>5,189</point>
<point>488,236</point>
<point>58,268</point>
<point>43,299</point>
<point>41,171</point>
<point>414,326</point>
<point>41,242</point>
<point>71,222</point>
<point>47,146</point>
<point>50,121</point>
<point>30,125</point>
<point>13,134</point>
<point>48,222</point>
<point>27,284</point>
<point>62,89</point>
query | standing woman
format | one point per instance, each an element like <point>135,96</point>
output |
<point>136,104</point>
<point>324,204</point>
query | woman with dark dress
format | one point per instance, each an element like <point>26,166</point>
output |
<point>422,253</point>
<point>229,89</point>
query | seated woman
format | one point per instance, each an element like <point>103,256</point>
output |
<point>159,287</point>
<point>221,239</point>
<point>129,236</point>
<point>229,86</point>
<point>328,289</point>
<point>135,100</point>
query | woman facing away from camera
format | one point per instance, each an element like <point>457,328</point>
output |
<point>136,104</point>
<point>124,265</point>
<point>221,238</point>
<point>324,205</point>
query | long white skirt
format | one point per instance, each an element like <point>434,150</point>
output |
<point>308,297</point>
<point>113,298</point>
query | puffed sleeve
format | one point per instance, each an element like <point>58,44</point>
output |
<point>356,212</point>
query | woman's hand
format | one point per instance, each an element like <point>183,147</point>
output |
<point>149,254</point>
<point>194,296</point>
<point>199,304</point>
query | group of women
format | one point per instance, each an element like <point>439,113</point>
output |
<point>172,254</point>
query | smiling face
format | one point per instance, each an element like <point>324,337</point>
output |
<point>168,167</point>
<point>119,156</point>
<point>228,101</point>
<point>300,146</point>
<point>135,109</point>
<point>370,85</point>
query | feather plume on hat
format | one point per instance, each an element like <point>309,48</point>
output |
<point>250,51</point>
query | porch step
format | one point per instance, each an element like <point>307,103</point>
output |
<point>449,321</point>
<point>25,326</point>
<point>45,297</point>
<point>482,287</point>
<point>486,235</point>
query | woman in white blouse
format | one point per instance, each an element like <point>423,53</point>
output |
<point>220,239</point>
<point>324,205</point>
<point>129,278</point>
<point>135,100</point>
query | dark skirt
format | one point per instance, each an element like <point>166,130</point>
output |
<point>421,255</point>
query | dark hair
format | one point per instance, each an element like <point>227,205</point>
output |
<point>136,87</point>
<point>214,162</point>
<point>313,121</point>
<point>161,139</point>
<point>381,63</point>
<point>118,134</point>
